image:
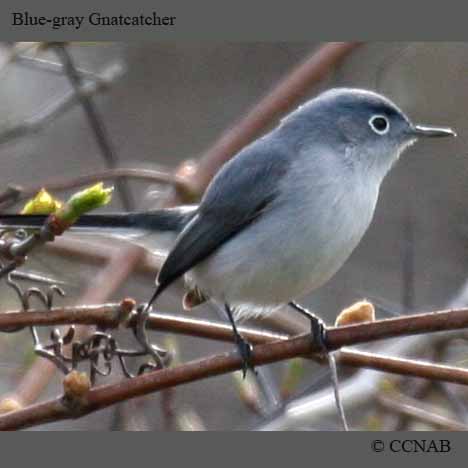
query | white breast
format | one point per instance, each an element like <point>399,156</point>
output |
<point>295,246</point>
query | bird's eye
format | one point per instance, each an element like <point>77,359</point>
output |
<point>379,124</point>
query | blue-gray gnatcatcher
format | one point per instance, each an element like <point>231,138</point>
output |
<point>282,216</point>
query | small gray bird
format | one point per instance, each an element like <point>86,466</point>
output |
<point>282,216</point>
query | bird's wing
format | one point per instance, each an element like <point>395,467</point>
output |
<point>239,193</point>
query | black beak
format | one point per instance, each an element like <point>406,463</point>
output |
<point>433,132</point>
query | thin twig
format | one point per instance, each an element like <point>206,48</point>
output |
<point>15,193</point>
<point>401,366</point>
<point>452,319</point>
<point>219,331</point>
<point>97,124</point>
<point>37,278</point>
<point>337,337</point>
<point>108,314</point>
<point>106,395</point>
<point>298,346</point>
<point>455,399</point>
<point>20,48</point>
<point>287,93</point>
<point>413,408</point>
<point>54,110</point>
<point>336,390</point>
<point>361,388</point>
<point>416,388</point>
<point>57,68</point>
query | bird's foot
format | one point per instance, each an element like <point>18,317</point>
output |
<point>245,351</point>
<point>318,329</point>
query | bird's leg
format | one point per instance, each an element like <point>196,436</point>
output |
<point>317,327</point>
<point>319,337</point>
<point>245,348</point>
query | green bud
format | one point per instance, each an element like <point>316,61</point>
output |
<point>84,201</point>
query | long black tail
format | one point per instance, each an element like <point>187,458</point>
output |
<point>171,219</point>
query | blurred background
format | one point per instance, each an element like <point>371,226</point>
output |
<point>167,103</point>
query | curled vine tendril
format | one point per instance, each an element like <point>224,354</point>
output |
<point>100,349</point>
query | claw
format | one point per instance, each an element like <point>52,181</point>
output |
<point>319,334</point>
<point>244,348</point>
<point>245,351</point>
<point>317,328</point>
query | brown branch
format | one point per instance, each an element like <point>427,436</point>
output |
<point>106,395</point>
<point>413,408</point>
<point>428,322</point>
<point>107,316</point>
<point>15,193</point>
<point>287,93</point>
<point>110,315</point>
<point>402,366</point>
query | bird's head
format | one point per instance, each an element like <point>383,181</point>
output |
<point>364,128</point>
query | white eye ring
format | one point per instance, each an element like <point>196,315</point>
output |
<point>375,128</point>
